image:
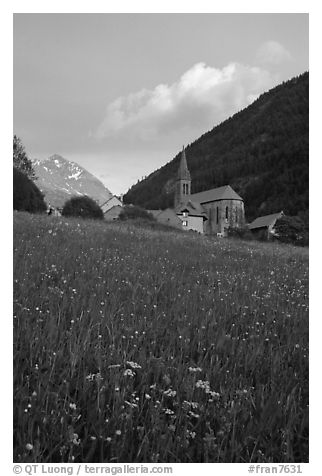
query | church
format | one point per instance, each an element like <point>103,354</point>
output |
<point>211,211</point>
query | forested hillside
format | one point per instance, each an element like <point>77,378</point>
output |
<point>262,152</point>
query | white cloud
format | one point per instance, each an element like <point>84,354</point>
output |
<point>200,99</point>
<point>272,52</point>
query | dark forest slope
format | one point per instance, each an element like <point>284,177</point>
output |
<point>262,152</point>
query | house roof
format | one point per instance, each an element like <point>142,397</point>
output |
<point>183,171</point>
<point>214,194</point>
<point>265,221</point>
<point>193,208</point>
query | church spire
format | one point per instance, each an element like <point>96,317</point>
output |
<point>183,172</point>
<point>183,181</point>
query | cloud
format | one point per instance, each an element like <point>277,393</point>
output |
<point>201,98</point>
<point>272,52</point>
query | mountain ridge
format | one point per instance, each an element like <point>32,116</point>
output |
<point>59,179</point>
<point>262,152</point>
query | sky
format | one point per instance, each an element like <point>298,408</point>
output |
<point>120,94</point>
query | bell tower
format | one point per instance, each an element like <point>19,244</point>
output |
<point>183,181</point>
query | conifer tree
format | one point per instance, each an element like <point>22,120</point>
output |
<point>21,160</point>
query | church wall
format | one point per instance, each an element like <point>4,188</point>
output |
<point>235,215</point>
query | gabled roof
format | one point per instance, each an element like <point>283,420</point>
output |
<point>265,221</point>
<point>109,203</point>
<point>193,208</point>
<point>183,171</point>
<point>214,194</point>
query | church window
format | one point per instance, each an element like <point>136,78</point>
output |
<point>185,214</point>
<point>226,213</point>
<point>185,223</point>
<point>217,216</point>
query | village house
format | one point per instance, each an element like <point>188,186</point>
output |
<point>264,226</point>
<point>211,211</point>
<point>112,208</point>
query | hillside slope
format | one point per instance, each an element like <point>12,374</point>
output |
<point>262,152</point>
<point>59,179</point>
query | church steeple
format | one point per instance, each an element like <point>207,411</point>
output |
<point>183,181</point>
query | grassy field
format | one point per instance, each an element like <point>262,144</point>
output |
<point>135,345</point>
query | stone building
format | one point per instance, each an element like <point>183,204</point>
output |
<point>211,211</point>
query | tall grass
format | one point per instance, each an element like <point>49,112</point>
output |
<point>134,345</point>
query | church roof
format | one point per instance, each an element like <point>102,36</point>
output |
<point>265,221</point>
<point>183,171</point>
<point>214,194</point>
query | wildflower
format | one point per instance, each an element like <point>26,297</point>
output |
<point>203,384</point>
<point>72,406</point>
<point>194,369</point>
<point>132,405</point>
<point>29,446</point>
<point>134,365</point>
<point>118,432</point>
<point>108,439</point>
<point>187,405</point>
<point>170,393</point>
<point>172,427</point>
<point>147,396</point>
<point>167,411</point>
<point>214,394</point>
<point>74,439</point>
<point>128,373</point>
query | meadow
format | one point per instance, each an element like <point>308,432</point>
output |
<point>137,345</point>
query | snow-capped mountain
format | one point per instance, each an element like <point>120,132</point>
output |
<point>59,179</point>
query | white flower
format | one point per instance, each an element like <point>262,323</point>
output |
<point>195,369</point>
<point>134,365</point>
<point>75,440</point>
<point>128,373</point>
<point>29,446</point>
<point>170,393</point>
